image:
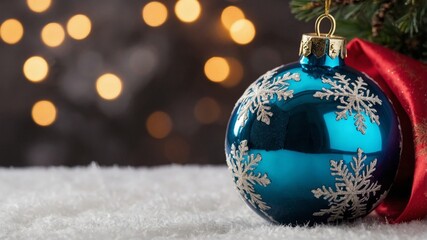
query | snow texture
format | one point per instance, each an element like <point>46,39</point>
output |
<point>170,202</point>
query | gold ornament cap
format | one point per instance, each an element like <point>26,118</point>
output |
<point>321,44</point>
<point>333,46</point>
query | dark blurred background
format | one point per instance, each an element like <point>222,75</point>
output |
<point>131,82</point>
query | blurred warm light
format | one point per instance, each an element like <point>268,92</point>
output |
<point>38,6</point>
<point>109,86</point>
<point>242,31</point>
<point>11,31</point>
<point>230,15</point>
<point>154,14</point>
<point>44,113</point>
<point>79,26</point>
<point>36,69</point>
<point>188,10</point>
<point>217,69</point>
<point>207,110</point>
<point>177,150</point>
<point>159,125</point>
<point>53,34</point>
<point>236,73</point>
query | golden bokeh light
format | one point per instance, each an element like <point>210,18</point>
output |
<point>159,125</point>
<point>236,73</point>
<point>177,150</point>
<point>188,10</point>
<point>79,27</point>
<point>35,69</point>
<point>11,31</point>
<point>39,6</point>
<point>44,113</point>
<point>217,69</point>
<point>230,15</point>
<point>53,34</point>
<point>207,110</point>
<point>242,31</point>
<point>109,86</point>
<point>154,14</point>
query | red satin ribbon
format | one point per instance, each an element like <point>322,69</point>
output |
<point>404,80</point>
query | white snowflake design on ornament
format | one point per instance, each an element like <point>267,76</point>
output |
<point>352,188</point>
<point>241,165</point>
<point>352,96</point>
<point>258,94</point>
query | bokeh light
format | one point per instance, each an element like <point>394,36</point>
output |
<point>236,73</point>
<point>242,31</point>
<point>188,10</point>
<point>35,69</point>
<point>207,110</point>
<point>159,124</point>
<point>159,63</point>
<point>44,113</point>
<point>230,15</point>
<point>53,34</point>
<point>217,69</point>
<point>263,58</point>
<point>177,150</point>
<point>39,6</point>
<point>79,27</point>
<point>154,14</point>
<point>109,86</point>
<point>11,31</point>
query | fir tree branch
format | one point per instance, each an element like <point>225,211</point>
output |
<point>399,25</point>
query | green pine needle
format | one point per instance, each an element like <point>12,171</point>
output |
<point>403,27</point>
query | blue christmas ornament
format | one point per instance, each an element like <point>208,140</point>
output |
<point>314,141</point>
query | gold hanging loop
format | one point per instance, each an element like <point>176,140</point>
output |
<point>328,16</point>
<point>320,44</point>
<point>327,6</point>
<point>333,24</point>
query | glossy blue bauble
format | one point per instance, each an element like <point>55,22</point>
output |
<point>313,142</point>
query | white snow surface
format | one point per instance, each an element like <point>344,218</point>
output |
<point>169,202</point>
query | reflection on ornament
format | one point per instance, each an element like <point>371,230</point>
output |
<point>351,97</point>
<point>353,187</point>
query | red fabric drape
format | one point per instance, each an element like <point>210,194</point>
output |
<point>405,81</point>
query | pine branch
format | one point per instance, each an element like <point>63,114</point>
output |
<point>399,25</point>
<point>307,10</point>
